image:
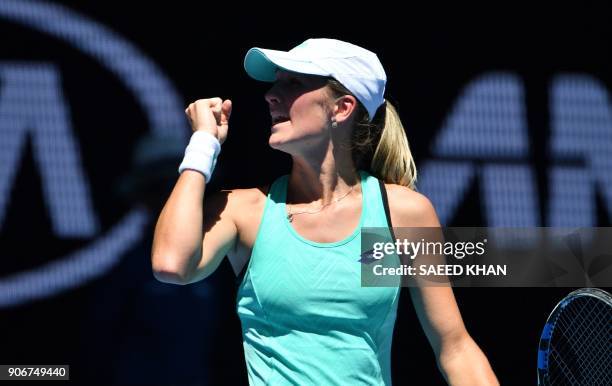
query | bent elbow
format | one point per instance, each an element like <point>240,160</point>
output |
<point>169,273</point>
<point>169,277</point>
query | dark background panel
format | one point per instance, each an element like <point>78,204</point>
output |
<point>126,328</point>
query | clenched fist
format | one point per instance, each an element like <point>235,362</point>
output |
<point>210,115</point>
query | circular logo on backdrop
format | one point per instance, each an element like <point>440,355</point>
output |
<point>32,106</point>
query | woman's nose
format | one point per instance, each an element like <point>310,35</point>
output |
<point>271,96</point>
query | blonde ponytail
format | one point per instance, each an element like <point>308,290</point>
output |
<point>380,146</point>
<point>392,160</point>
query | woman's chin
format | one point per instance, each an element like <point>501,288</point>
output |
<point>277,143</point>
<point>274,142</point>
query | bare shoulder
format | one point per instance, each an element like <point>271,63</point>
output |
<point>244,207</point>
<point>243,198</point>
<point>236,203</point>
<point>410,208</point>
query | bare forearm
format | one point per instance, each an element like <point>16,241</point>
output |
<point>464,364</point>
<point>178,233</point>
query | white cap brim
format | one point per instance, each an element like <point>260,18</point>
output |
<point>262,64</point>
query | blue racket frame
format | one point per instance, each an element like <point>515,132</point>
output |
<point>549,328</point>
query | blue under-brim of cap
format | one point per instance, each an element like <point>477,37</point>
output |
<point>259,66</point>
<point>262,64</point>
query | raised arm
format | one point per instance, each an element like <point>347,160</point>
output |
<point>459,358</point>
<point>191,235</point>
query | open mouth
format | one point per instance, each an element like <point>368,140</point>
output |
<point>279,119</point>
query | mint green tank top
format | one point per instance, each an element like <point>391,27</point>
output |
<point>306,319</point>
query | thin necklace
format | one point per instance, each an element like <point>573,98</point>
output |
<point>291,213</point>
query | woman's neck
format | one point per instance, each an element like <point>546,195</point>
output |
<point>321,181</point>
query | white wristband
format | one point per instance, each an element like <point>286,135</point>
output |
<point>201,154</point>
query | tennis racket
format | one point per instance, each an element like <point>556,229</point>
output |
<point>576,343</point>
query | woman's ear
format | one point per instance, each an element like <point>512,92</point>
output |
<point>344,107</point>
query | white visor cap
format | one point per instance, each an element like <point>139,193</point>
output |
<point>356,68</point>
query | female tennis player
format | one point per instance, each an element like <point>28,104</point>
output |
<point>306,319</point>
